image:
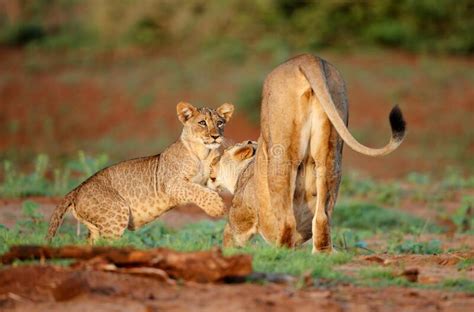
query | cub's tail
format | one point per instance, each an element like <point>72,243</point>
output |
<point>314,73</point>
<point>58,215</point>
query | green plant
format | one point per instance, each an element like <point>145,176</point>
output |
<point>21,34</point>
<point>16,184</point>
<point>460,284</point>
<point>380,276</point>
<point>89,165</point>
<point>354,185</point>
<point>296,262</point>
<point>431,247</point>
<point>463,217</point>
<point>369,217</point>
<point>465,264</point>
<point>418,178</point>
<point>39,183</point>
<point>384,192</point>
<point>146,32</point>
<point>351,240</point>
<point>453,179</point>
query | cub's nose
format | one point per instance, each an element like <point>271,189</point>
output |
<point>215,137</point>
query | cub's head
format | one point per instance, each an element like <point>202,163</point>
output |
<point>204,125</point>
<point>226,169</point>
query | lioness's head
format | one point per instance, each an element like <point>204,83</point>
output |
<point>204,125</point>
<point>226,169</point>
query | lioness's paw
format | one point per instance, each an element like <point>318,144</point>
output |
<point>330,249</point>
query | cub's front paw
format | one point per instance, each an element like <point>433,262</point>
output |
<point>216,206</point>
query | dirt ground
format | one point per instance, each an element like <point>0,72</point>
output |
<point>30,289</point>
<point>35,288</point>
<point>46,104</point>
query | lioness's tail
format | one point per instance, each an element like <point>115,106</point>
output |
<point>58,215</point>
<point>315,75</point>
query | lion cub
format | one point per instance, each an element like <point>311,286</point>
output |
<point>234,172</point>
<point>135,192</point>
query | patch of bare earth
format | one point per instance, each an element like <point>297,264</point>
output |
<point>32,288</point>
<point>421,269</point>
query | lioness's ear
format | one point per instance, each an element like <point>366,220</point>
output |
<point>254,145</point>
<point>244,152</point>
<point>226,110</point>
<point>185,111</point>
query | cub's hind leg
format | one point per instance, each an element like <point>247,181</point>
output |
<point>104,212</point>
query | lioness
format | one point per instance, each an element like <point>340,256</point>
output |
<point>134,192</point>
<point>288,192</point>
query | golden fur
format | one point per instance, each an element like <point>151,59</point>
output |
<point>287,191</point>
<point>134,192</point>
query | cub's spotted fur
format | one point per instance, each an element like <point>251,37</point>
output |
<point>134,192</point>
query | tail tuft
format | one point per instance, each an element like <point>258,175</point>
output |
<point>397,123</point>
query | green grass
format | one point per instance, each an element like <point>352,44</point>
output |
<point>375,219</point>
<point>466,264</point>
<point>354,223</point>
<point>379,276</point>
<point>204,235</point>
<point>460,284</point>
<point>295,262</point>
<point>46,181</point>
<point>432,247</point>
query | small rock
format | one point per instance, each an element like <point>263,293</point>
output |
<point>376,259</point>
<point>70,287</point>
<point>411,274</point>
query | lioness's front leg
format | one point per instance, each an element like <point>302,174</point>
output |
<point>241,226</point>
<point>185,192</point>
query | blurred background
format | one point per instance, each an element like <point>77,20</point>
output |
<point>87,83</point>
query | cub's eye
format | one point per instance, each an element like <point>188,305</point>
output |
<point>202,123</point>
<point>220,123</point>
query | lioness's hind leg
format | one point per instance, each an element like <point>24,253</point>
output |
<point>320,150</point>
<point>284,157</point>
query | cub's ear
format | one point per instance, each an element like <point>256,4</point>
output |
<point>185,111</point>
<point>226,110</point>
<point>244,152</point>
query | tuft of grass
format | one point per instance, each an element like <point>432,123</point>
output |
<point>388,193</point>
<point>379,276</point>
<point>418,178</point>
<point>369,217</point>
<point>295,262</point>
<point>460,284</point>
<point>466,264</point>
<point>463,217</point>
<point>454,179</point>
<point>432,247</point>
<point>39,183</point>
